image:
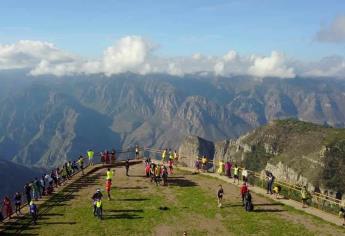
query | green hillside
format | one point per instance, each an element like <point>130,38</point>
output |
<point>188,204</point>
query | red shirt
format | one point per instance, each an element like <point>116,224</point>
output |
<point>244,189</point>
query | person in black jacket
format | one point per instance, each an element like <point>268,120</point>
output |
<point>96,197</point>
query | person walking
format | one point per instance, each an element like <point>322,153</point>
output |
<point>108,188</point>
<point>110,174</point>
<point>220,194</point>
<point>127,167</point>
<point>81,163</point>
<point>96,197</point>
<point>243,191</point>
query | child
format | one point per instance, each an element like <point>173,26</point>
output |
<point>220,194</point>
<point>33,212</point>
<point>171,163</point>
<point>97,196</point>
<point>248,202</point>
<point>243,190</point>
<point>276,191</point>
<point>99,210</point>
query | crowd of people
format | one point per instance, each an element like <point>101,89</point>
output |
<point>41,186</point>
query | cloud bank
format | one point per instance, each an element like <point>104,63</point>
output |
<point>333,33</point>
<point>136,54</point>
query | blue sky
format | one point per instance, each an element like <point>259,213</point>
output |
<point>179,28</point>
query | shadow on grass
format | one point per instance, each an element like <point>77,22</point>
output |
<point>58,199</point>
<point>136,187</point>
<point>122,216</point>
<point>125,211</point>
<point>268,210</point>
<point>181,182</point>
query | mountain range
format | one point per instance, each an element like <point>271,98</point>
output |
<point>46,120</point>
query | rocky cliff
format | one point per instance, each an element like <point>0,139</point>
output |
<point>294,151</point>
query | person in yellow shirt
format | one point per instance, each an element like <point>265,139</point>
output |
<point>90,154</point>
<point>236,174</point>
<point>164,154</point>
<point>204,163</point>
<point>220,167</point>
<point>110,174</point>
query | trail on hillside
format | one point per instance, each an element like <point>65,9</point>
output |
<point>139,207</point>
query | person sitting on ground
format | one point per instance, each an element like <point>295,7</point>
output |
<point>243,192</point>
<point>18,203</point>
<point>236,174</point>
<point>127,167</point>
<point>95,197</point>
<point>248,202</point>
<point>33,212</point>
<point>7,207</point>
<point>276,190</point>
<point>220,194</point>
<point>305,196</point>
<point>342,214</point>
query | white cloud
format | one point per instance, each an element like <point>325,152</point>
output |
<point>26,54</point>
<point>135,54</point>
<point>219,68</point>
<point>333,33</point>
<point>126,55</point>
<point>273,66</point>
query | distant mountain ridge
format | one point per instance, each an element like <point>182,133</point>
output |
<point>46,120</point>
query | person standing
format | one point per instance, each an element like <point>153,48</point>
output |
<point>305,196</point>
<point>245,175</point>
<point>33,211</point>
<point>136,152</point>
<point>90,154</point>
<point>27,191</point>
<point>220,194</point>
<point>236,174</point>
<point>81,164</point>
<point>110,174</point>
<point>18,203</point>
<point>164,154</point>
<point>108,188</point>
<point>96,197</point>
<point>113,156</point>
<point>243,191</point>
<point>127,167</point>
<point>270,181</point>
<point>7,206</point>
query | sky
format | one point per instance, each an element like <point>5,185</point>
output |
<point>169,34</point>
